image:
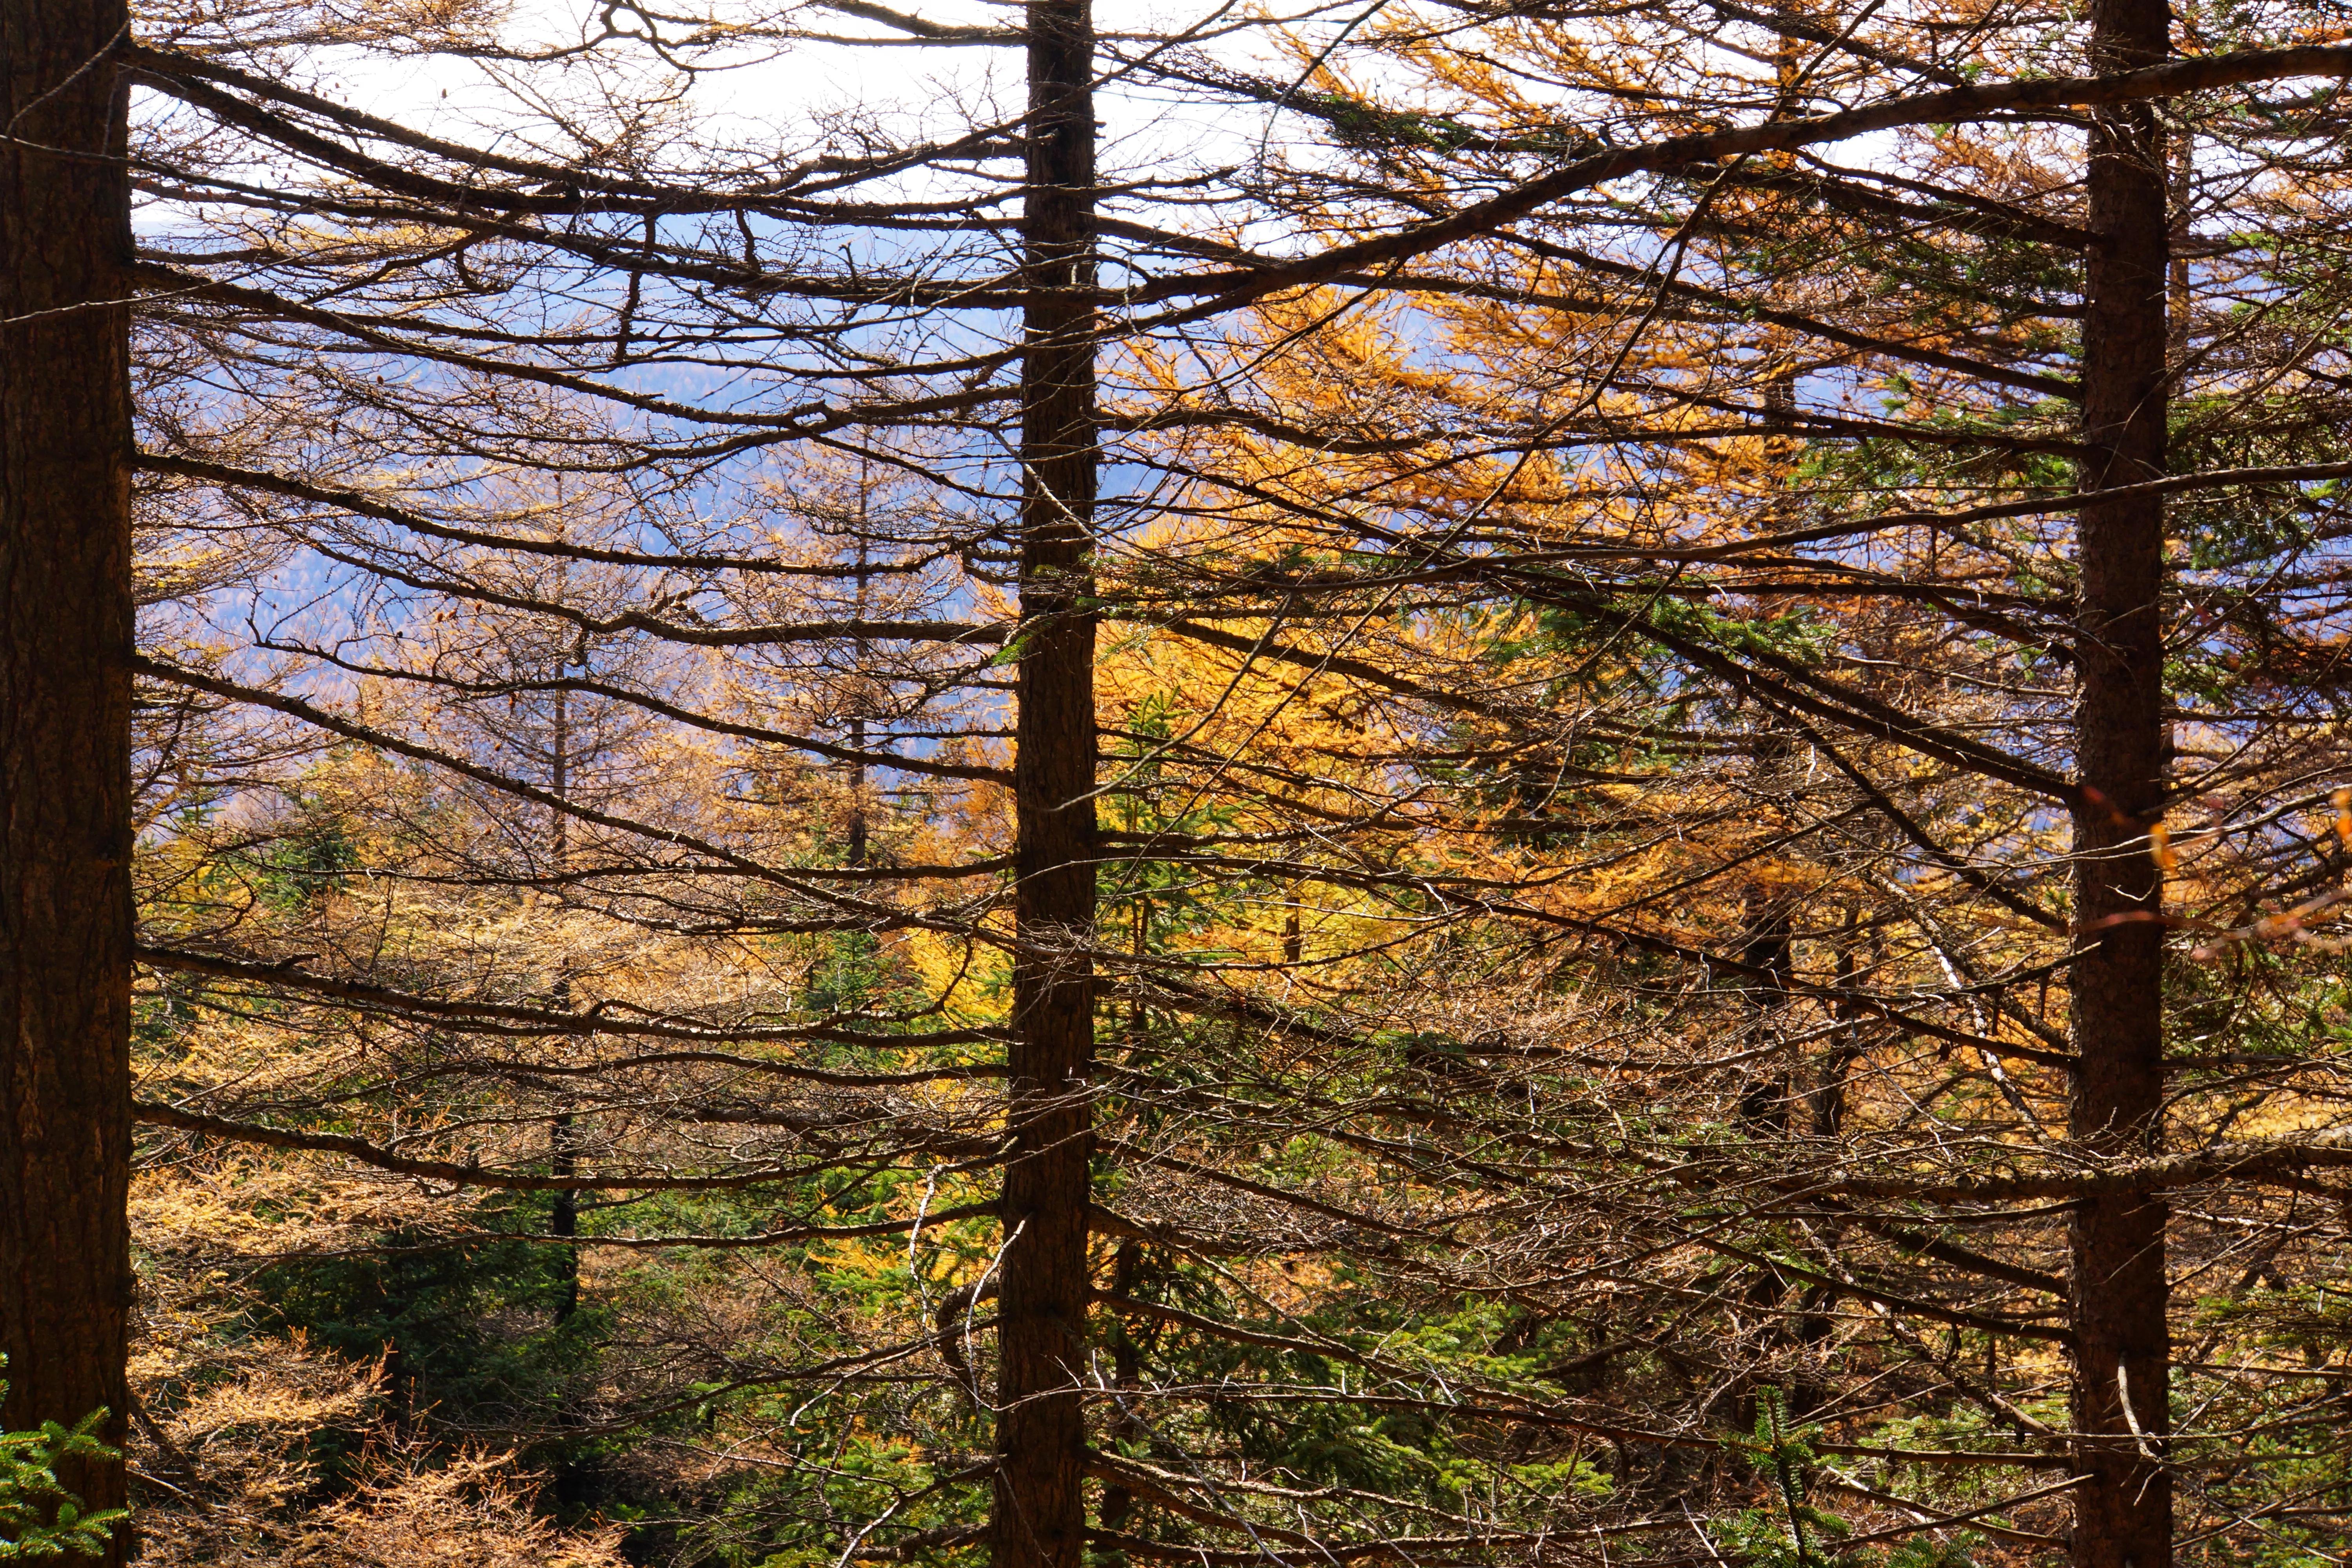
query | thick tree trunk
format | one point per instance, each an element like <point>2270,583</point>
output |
<point>65,723</point>
<point>2124,1514</point>
<point>1040,1500</point>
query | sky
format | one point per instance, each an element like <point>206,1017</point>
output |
<point>777,96</point>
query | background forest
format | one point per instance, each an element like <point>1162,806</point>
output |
<point>1388,782</point>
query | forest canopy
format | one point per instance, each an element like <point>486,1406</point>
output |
<point>1402,782</point>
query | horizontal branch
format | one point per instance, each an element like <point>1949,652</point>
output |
<point>2250,1160</point>
<point>151,1113</point>
<point>782,1235</point>
<point>595,1022</point>
<point>880,916</point>
<point>360,504</point>
<point>1675,154</point>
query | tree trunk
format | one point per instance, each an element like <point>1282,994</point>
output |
<point>65,725</point>
<point>2124,1513</point>
<point>564,1132</point>
<point>1040,1501</point>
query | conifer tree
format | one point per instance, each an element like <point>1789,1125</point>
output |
<point>64,746</point>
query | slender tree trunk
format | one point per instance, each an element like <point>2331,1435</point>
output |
<point>571,1479</point>
<point>1040,1500</point>
<point>2124,1513</point>
<point>1129,1271</point>
<point>564,1132</point>
<point>857,829</point>
<point>65,724</point>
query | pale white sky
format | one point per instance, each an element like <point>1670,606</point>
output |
<point>779,97</point>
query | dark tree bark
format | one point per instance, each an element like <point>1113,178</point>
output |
<point>65,723</point>
<point>2124,1513</point>
<point>1040,1500</point>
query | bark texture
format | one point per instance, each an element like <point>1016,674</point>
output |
<point>65,724</point>
<point>1040,1499</point>
<point>2124,1514</point>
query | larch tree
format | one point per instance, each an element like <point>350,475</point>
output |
<point>1039,1519</point>
<point>64,729</point>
